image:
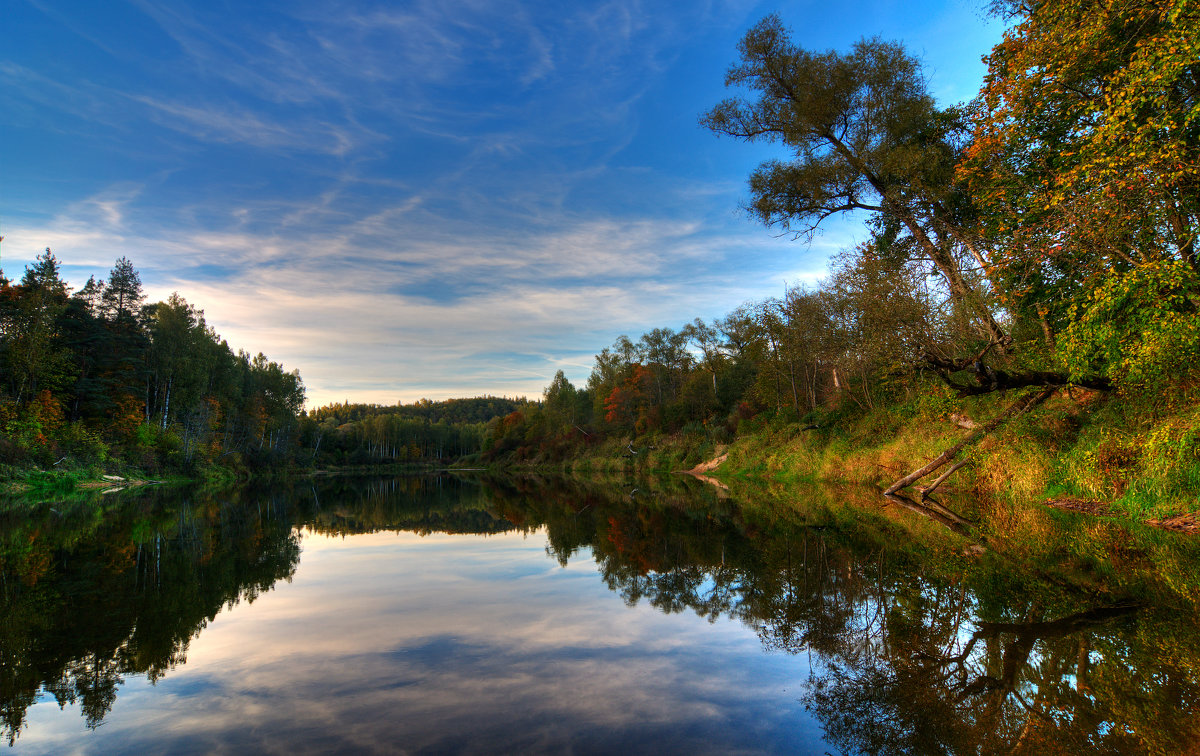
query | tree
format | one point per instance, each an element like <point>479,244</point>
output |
<point>559,401</point>
<point>810,342</point>
<point>612,366</point>
<point>866,136</point>
<point>274,401</point>
<point>1086,165</point>
<point>746,349</point>
<point>31,328</point>
<point>86,337</point>
<point>92,296</point>
<point>629,404</point>
<point>888,316</point>
<point>176,363</point>
<point>707,339</point>
<point>122,297</point>
<point>664,353</point>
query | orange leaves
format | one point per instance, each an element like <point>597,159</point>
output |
<point>128,416</point>
<point>511,420</point>
<point>627,403</point>
<point>46,410</point>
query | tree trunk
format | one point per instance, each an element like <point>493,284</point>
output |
<point>167,404</point>
<point>795,391</point>
<point>1016,408</point>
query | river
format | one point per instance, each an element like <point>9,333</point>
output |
<point>445,614</point>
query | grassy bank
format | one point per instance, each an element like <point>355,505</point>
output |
<point>1131,457</point>
<point>69,475</point>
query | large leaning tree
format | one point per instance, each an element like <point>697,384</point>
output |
<point>865,135</point>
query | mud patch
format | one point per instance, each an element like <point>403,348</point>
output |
<point>1185,523</point>
<point>1087,506</point>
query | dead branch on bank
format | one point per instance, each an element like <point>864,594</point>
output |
<point>988,380</point>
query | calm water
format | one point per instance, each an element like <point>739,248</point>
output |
<point>430,615</point>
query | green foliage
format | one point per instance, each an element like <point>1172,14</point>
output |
<point>1139,327</point>
<point>84,445</point>
<point>146,435</point>
<point>1084,165</point>
<point>931,402</point>
<point>46,483</point>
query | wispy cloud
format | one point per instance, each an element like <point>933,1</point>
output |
<point>426,198</point>
<point>238,125</point>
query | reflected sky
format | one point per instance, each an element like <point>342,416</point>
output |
<point>401,643</point>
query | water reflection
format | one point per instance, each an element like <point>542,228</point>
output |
<point>89,596</point>
<point>925,653</point>
<point>904,646</point>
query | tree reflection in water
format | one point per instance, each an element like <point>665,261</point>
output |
<point>91,595</point>
<point>913,651</point>
<point>915,647</point>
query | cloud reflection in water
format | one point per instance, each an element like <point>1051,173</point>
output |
<point>401,643</point>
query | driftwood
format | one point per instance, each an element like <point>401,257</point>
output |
<point>1023,404</point>
<point>962,421</point>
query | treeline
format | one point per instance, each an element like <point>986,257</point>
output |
<point>478,409</point>
<point>99,377</point>
<point>1041,236</point>
<point>424,431</point>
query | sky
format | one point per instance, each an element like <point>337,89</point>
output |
<point>417,199</point>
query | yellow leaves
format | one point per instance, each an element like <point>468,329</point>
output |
<point>1128,148</point>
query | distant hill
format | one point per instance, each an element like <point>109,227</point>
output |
<point>478,409</point>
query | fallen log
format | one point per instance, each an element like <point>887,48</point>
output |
<point>926,490</point>
<point>1023,404</point>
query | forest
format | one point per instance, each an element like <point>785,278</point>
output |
<point>101,378</point>
<point>1025,304</point>
<point>419,433</point>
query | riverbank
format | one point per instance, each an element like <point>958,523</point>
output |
<point>74,477</point>
<point>1121,457</point>
<point>18,481</point>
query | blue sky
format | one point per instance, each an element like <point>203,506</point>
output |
<point>416,199</point>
